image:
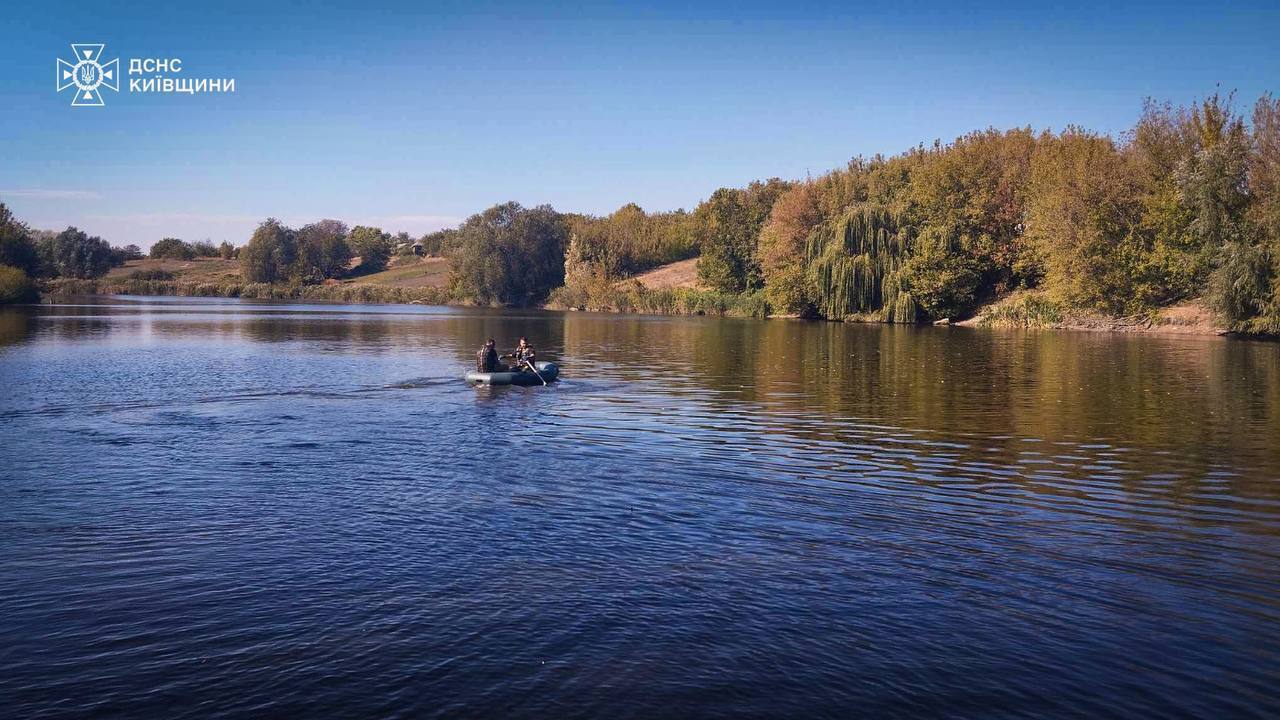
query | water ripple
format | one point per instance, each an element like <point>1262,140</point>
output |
<point>221,510</point>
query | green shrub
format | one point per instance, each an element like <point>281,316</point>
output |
<point>17,248</point>
<point>1032,309</point>
<point>632,297</point>
<point>204,249</point>
<point>15,286</point>
<point>173,248</point>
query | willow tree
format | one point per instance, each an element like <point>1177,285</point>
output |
<point>854,262</point>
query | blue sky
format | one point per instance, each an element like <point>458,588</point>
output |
<point>413,116</point>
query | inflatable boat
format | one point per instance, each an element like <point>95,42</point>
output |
<point>548,371</point>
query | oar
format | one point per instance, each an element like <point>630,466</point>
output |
<point>535,372</point>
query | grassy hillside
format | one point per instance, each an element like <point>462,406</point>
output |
<point>410,272</point>
<point>413,272</point>
<point>199,270</point>
<point>682,274</point>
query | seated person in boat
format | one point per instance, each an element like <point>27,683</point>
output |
<point>522,354</point>
<point>487,358</point>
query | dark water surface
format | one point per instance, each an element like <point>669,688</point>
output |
<point>224,509</point>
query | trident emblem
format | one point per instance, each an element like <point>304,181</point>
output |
<point>87,74</point>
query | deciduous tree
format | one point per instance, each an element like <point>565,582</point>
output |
<point>270,254</point>
<point>372,245</point>
<point>78,255</point>
<point>509,255</point>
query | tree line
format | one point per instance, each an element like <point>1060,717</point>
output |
<point>1184,205</point>
<point>27,254</point>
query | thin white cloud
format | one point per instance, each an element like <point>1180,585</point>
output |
<point>153,219</point>
<point>387,222</point>
<point>413,223</point>
<point>41,194</point>
<point>443,219</point>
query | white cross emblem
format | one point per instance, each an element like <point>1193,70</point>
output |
<point>87,74</point>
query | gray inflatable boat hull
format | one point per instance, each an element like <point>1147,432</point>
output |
<point>550,371</point>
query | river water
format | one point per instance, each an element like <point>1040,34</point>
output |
<point>216,508</point>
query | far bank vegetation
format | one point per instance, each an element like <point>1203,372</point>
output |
<point>1011,226</point>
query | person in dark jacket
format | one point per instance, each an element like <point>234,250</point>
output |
<point>487,357</point>
<point>522,354</point>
